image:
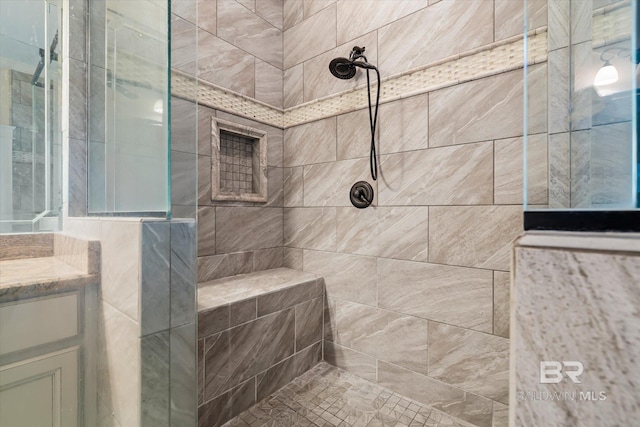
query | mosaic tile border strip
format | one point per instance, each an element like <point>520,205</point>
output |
<point>486,61</point>
<point>611,24</point>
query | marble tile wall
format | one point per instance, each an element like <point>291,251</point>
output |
<point>240,237</point>
<point>252,347</point>
<point>564,285</point>
<point>417,285</point>
<point>240,45</point>
<point>145,318</point>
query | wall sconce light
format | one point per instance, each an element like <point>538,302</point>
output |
<point>158,106</point>
<point>608,74</point>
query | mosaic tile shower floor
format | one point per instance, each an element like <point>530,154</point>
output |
<point>328,396</point>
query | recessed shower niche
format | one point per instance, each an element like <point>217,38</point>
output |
<point>239,163</point>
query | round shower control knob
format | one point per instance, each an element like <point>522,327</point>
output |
<point>361,194</point>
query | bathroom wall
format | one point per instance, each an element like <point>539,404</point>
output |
<point>418,284</point>
<point>239,50</point>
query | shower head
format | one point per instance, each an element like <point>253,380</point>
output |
<point>342,68</point>
<point>345,69</point>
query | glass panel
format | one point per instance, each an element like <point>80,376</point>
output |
<point>30,99</point>
<point>590,143</point>
<point>129,132</point>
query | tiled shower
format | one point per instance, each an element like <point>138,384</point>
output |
<point>206,236</point>
<point>416,286</point>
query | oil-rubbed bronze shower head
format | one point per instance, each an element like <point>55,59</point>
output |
<point>342,68</point>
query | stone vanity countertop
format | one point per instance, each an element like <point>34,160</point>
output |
<point>20,278</point>
<point>232,289</point>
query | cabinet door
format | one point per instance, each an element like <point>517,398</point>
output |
<point>40,392</point>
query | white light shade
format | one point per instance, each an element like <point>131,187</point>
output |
<point>606,75</point>
<point>158,107</point>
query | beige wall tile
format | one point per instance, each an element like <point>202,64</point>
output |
<point>454,295</point>
<point>442,176</point>
<point>348,277</point>
<point>293,13</point>
<point>249,4</point>
<point>443,397</point>
<point>268,84</point>
<point>184,38</point>
<point>404,125</point>
<point>582,86</point>
<point>266,259</point>
<point>472,361</point>
<point>559,24</point>
<point>310,228</point>
<point>310,143</point>
<point>310,38</point>
<point>119,364</point>
<point>501,303</point>
<point>580,172</point>
<point>206,230</point>
<point>509,17</point>
<point>559,85</point>
<point>611,165</point>
<point>390,232</point>
<point>120,283</point>
<point>218,266</point>
<point>293,258</point>
<point>430,34</point>
<point>204,180</point>
<point>356,18</point>
<point>242,229</point>
<point>473,236</point>
<point>457,118</point>
<point>559,171</point>
<point>319,82</point>
<point>225,65</point>
<point>272,11</point>
<point>207,17</point>
<point>581,19</point>
<point>385,335</point>
<point>312,7</point>
<point>293,183</point>
<point>357,363</point>
<point>204,129</point>
<point>508,180</point>
<point>329,184</point>
<point>500,415</point>
<point>250,32</point>
<point>354,135</point>
<point>184,9</point>
<point>275,182</point>
<point>293,86</point>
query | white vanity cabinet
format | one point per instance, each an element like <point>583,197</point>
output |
<point>42,360</point>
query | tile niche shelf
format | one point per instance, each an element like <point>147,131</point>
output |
<point>238,163</point>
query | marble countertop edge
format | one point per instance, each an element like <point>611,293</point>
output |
<point>610,242</point>
<point>38,287</point>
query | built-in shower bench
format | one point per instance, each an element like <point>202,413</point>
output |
<point>257,332</point>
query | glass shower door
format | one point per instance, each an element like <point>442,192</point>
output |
<point>30,90</point>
